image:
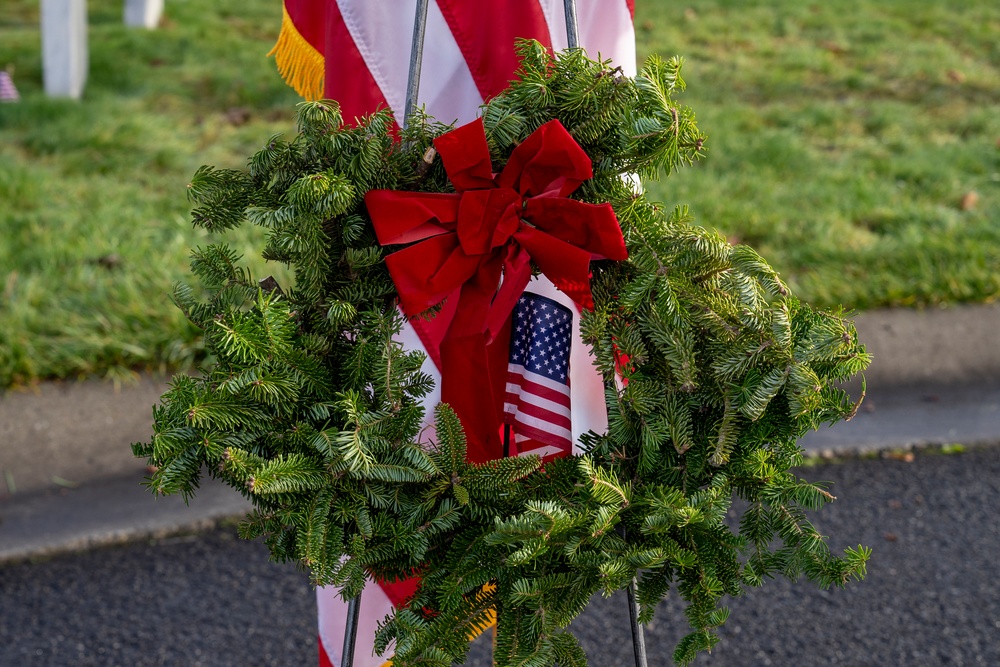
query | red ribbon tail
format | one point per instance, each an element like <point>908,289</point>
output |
<point>474,374</point>
<point>516,276</point>
<point>473,383</point>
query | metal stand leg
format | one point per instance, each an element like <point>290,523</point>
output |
<point>351,631</point>
<point>416,58</point>
<point>638,641</point>
<point>493,653</point>
<point>572,30</point>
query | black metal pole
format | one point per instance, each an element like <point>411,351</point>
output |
<point>572,29</point>
<point>351,631</point>
<point>506,440</point>
<point>416,58</point>
<point>638,640</point>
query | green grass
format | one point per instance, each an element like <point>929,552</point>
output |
<point>93,211</point>
<point>842,139</point>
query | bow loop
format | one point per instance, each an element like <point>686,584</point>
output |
<point>548,162</point>
<point>561,218</point>
<point>405,217</point>
<point>466,156</point>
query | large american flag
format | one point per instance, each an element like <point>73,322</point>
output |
<point>360,51</point>
<point>537,405</point>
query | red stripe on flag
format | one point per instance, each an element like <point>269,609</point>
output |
<point>537,412</point>
<point>348,79</point>
<point>485,32</point>
<point>631,8</point>
<point>542,438</point>
<point>529,387</point>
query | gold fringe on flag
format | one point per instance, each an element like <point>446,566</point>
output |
<point>300,65</point>
<point>488,622</point>
<point>491,614</point>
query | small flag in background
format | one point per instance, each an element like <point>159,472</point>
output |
<point>8,93</point>
<point>537,405</point>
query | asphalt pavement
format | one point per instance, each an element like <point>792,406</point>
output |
<point>932,596</point>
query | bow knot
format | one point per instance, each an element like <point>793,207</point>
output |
<point>487,219</point>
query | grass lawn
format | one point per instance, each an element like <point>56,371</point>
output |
<point>854,143</point>
<point>844,138</point>
<point>93,211</point>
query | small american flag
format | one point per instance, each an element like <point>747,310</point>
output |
<point>537,405</point>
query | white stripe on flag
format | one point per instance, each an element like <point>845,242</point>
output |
<point>410,341</point>
<point>446,84</point>
<point>605,29</point>
<point>540,379</point>
<point>561,409</point>
<point>543,425</point>
<point>383,34</point>
<point>555,16</point>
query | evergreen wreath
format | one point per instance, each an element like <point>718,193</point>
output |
<point>311,410</point>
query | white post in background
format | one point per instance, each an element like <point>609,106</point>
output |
<point>64,47</point>
<point>143,13</point>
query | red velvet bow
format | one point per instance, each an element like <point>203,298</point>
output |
<point>475,253</point>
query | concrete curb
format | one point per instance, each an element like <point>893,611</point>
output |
<point>62,434</point>
<point>937,346</point>
<point>114,511</point>
<point>914,416</point>
<point>935,380</point>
